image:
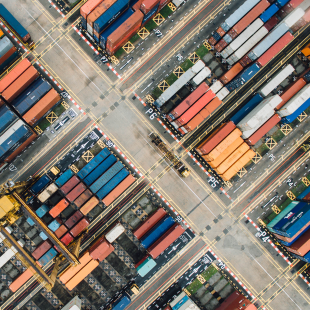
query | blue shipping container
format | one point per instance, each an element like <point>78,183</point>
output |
<point>64,178</point>
<point>30,221</point>
<point>281,3</point>
<point>231,87</point>
<point>48,256</point>
<point>290,118</point>
<point>7,117</point>
<point>146,267</point>
<point>100,170</point>
<point>31,95</point>
<point>42,211</point>
<point>150,14</point>
<point>104,35</point>
<point>295,239</point>
<point>9,61</point>
<point>216,36</point>
<point>11,20</point>
<point>84,23</point>
<point>157,231</point>
<point>265,16</point>
<point>247,74</point>
<point>306,258</point>
<point>109,16</point>
<point>122,302</point>
<point>93,163</point>
<point>40,184</point>
<point>105,190</point>
<point>43,235</point>
<point>180,303</point>
<point>304,193</point>
<point>227,38</point>
<point>53,226</point>
<point>106,177</point>
<point>246,109</point>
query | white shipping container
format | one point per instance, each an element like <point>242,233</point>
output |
<point>10,252</point>
<point>186,305</point>
<point>202,75</point>
<point>175,301</point>
<point>294,103</point>
<point>276,80</point>
<point>192,306</point>
<point>177,3</point>
<point>90,29</point>
<point>11,130</point>
<point>48,192</point>
<point>292,18</point>
<point>74,304</point>
<point>216,86</point>
<point>115,232</point>
<point>222,93</point>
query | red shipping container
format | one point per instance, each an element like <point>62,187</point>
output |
<point>246,60</point>
<point>83,198</point>
<point>290,92</point>
<point>221,32</point>
<point>142,260</point>
<point>272,22</point>
<point>106,253</point>
<point>212,41</point>
<point>295,3</point>
<point>275,49</point>
<point>165,240</point>
<point>189,101</point>
<point>302,245</point>
<point>148,5</point>
<point>88,7</point>
<point>232,33</point>
<point>41,249</point>
<point>285,10</point>
<point>140,231</point>
<point>73,219</point>
<point>215,138</point>
<point>232,301</point>
<point>76,192</point>
<point>231,73</point>
<point>220,45</point>
<point>66,239</point>
<point>14,74</point>
<point>261,131</point>
<point>98,248</point>
<point>61,231</point>
<point>7,54</point>
<point>98,11</point>
<point>79,227</point>
<point>60,206</point>
<point>162,3</point>
<point>68,186</point>
<point>137,5</point>
<point>20,84</point>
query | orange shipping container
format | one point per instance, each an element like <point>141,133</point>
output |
<point>20,84</point>
<point>22,279</point>
<point>106,253</point>
<point>223,144</point>
<point>232,158</point>
<point>61,205</point>
<point>68,273</point>
<point>88,7</point>
<point>98,11</point>
<point>101,249</point>
<point>218,160</point>
<point>41,107</point>
<point>89,205</point>
<point>231,73</point>
<point>118,190</point>
<point>79,277</point>
<point>228,174</point>
<point>14,74</point>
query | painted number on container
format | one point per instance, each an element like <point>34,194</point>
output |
<point>152,115</point>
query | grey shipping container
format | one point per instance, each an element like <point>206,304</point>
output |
<point>7,117</point>
<point>5,45</point>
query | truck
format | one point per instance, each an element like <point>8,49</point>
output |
<point>115,232</point>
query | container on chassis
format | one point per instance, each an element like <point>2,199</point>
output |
<point>263,130</point>
<point>290,118</point>
<point>89,205</point>
<point>75,218</point>
<point>83,198</point>
<point>40,184</point>
<point>157,231</point>
<point>149,223</point>
<point>41,107</point>
<point>275,49</point>
<point>64,177</point>
<point>93,163</point>
<point>165,240</point>
<point>231,73</point>
<point>61,231</point>
<point>7,118</point>
<point>219,134</point>
<point>20,84</point>
<point>42,249</point>
<point>302,245</point>
<point>276,80</point>
<point>70,184</point>
<point>179,83</point>
<point>60,206</point>
<point>79,227</point>
<point>194,109</point>
<point>229,173</point>
<point>118,190</point>
<point>201,116</point>
<point>201,76</point>
<point>76,192</point>
<point>88,7</point>
<point>48,256</point>
<point>115,232</point>
<point>146,267</point>
<point>48,192</point>
<point>100,170</point>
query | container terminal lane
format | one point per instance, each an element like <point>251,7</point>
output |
<point>216,233</point>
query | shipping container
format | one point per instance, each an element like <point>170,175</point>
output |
<point>231,73</point>
<point>177,3</point>
<point>61,231</point>
<point>177,299</point>
<point>118,190</point>
<point>276,80</point>
<point>100,170</point>
<point>165,240</point>
<point>115,232</point>
<point>215,87</point>
<point>64,177</point>
<point>14,24</point>
<point>79,227</point>
<point>289,241</point>
<point>61,205</point>
<point>263,130</point>
<point>157,231</point>
<point>106,253</point>
<point>54,225</point>
<point>41,249</point>
<point>89,205</point>
<point>43,235</point>
<point>281,3</point>
<point>74,304</point>
<point>285,10</point>
<point>150,15</point>
<point>162,3</point>
<point>304,194</point>
<point>223,93</point>
<point>67,239</point>
<point>82,198</point>
<point>40,184</point>
<point>6,64</point>
<point>74,219</point>
<point>228,174</point>
<point>7,55</point>
<point>184,302</point>
<point>47,257</point>
<point>148,5</point>
<point>122,302</point>
<point>41,107</point>
<point>202,115</point>
<point>7,118</point>
<point>273,9</point>
<point>30,221</point>
<point>22,279</point>
<point>140,231</point>
<point>31,96</point>
<point>179,83</point>
<point>275,49</point>
<point>88,168</point>
<point>88,7</point>
<point>194,109</point>
<point>219,134</point>
<point>201,76</point>
<point>223,144</point>
<point>146,267</point>
<point>290,118</point>
<point>79,277</point>
<point>76,192</point>
<point>69,185</point>
<point>48,192</point>
<point>302,245</point>
<point>293,17</point>
<point>100,247</point>
<point>20,84</point>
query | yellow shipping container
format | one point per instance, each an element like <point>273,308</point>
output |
<point>306,51</point>
<point>217,161</point>
<point>232,158</point>
<point>224,144</point>
<point>228,174</point>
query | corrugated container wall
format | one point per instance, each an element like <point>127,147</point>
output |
<point>88,7</point>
